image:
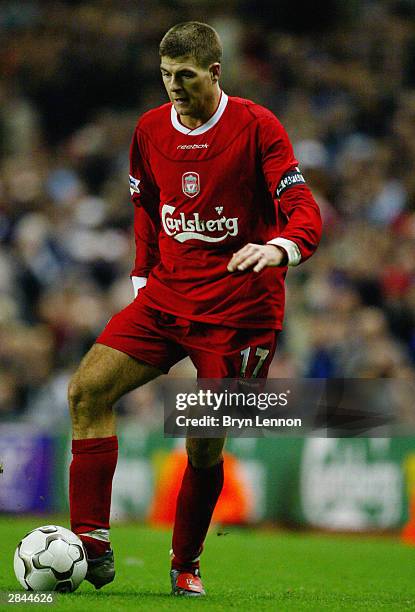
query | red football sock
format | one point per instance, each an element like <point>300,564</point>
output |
<point>196,501</point>
<point>90,483</point>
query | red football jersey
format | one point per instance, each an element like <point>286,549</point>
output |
<point>202,194</point>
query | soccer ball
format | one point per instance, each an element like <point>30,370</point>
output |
<point>50,558</point>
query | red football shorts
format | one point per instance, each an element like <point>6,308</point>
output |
<point>161,340</point>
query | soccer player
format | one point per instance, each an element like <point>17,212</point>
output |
<point>221,210</point>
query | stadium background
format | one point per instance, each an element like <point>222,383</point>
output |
<point>74,78</point>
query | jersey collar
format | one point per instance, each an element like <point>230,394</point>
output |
<point>205,126</point>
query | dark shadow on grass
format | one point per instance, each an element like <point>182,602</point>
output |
<point>125,594</point>
<point>211,597</point>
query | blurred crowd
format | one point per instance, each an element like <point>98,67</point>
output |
<point>74,78</point>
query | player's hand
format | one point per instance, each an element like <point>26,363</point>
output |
<point>257,257</point>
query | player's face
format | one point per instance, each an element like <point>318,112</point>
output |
<point>192,89</point>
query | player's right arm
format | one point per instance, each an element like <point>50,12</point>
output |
<point>145,198</point>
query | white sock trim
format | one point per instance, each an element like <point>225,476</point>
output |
<point>103,535</point>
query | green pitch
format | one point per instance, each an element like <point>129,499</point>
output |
<point>243,570</point>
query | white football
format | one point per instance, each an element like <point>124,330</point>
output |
<point>50,558</point>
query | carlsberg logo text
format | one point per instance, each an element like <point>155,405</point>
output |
<point>184,228</point>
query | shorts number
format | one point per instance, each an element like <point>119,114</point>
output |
<point>260,352</point>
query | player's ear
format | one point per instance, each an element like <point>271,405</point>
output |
<point>214,70</point>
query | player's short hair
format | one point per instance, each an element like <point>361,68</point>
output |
<point>193,38</point>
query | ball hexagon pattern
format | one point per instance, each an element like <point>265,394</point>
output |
<point>50,558</point>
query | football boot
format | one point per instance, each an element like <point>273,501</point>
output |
<point>101,570</point>
<point>186,584</point>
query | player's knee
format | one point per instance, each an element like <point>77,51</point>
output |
<point>81,396</point>
<point>75,394</point>
<point>204,453</point>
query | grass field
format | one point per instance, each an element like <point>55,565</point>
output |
<point>243,570</point>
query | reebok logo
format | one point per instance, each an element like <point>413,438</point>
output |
<point>193,146</point>
<point>184,228</point>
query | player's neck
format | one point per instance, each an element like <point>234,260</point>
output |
<point>205,113</point>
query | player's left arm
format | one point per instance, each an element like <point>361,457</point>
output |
<point>301,235</point>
